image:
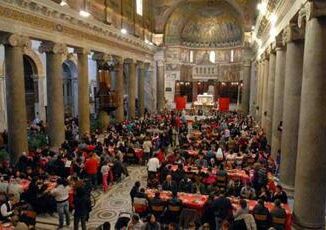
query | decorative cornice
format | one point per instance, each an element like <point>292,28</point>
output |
<point>50,17</point>
<point>15,40</point>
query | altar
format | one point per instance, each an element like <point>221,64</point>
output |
<point>204,102</point>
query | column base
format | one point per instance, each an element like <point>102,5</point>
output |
<point>296,226</point>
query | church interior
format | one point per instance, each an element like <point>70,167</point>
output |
<point>162,114</point>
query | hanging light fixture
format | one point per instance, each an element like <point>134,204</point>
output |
<point>84,12</point>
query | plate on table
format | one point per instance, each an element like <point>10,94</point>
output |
<point>6,225</point>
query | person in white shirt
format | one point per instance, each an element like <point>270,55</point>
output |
<point>61,195</point>
<point>153,165</point>
<point>6,209</point>
<point>147,145</point>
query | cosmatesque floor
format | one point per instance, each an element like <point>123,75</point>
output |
<point>108,205</point>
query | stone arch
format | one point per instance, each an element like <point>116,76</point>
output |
<point>70,86</point>
<point>40,70</point>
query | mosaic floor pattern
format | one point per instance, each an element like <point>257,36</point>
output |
<point>108,205</point>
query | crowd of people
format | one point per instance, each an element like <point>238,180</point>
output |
<point>48,180</point>
<point>199,162</point>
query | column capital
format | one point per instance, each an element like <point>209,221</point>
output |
<point>79,50</point>
<point>101,57</point>
<point>15,40</point>
<point>279,45</point>
<point>265,55</point>
<point>311,9</point>
<point>118,60</point>
<point>160,63</point>
<point>271,49</point>
<point>131,61</point>
<point>292,33</point>
<point>51,47</point>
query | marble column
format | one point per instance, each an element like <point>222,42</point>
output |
<point>258,95</point>
<point>270,94</point>
<point>54,59</point>
<point>160,86</point>
<point>310,181</point>
<point>291,106</point>
<point>141,89</point>
<point>253,88</point>
<point>119,88</point>
<point>264,92</point>
<point>83,91</point>
<point>132,89</point>
<point>245,102</point>
<point>278,98</point>
<point>3,104</point>
<point>15,93</point>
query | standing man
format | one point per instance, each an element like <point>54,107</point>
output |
<point>153,165</point>
<point>91,168</point>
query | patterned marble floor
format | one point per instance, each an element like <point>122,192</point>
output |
<point>108,205</point>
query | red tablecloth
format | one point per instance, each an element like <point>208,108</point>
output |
<point>24,184</point>
<point>269,205</point>
<point>51,185</point>
<point>195,201</point>
<point>192,153</point>
<point>6,226</point>
<point>232,174</point>
<point>139,153</point>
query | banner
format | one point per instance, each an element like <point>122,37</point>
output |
<point>180,103</point>
<point>224,104</point>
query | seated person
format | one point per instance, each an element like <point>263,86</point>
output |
<point>157,205</point>
<point>179,174</point>
<point>210,178</point>
<point>140,203</point>
<point>201,162</point>
<point>221,177</point>
<point>243,209</point>
<point>135,223</point>
<point>7,209</point>
<point>278,215</point>
<point>247,192</point>
<point>199,187</point>
<point>264,194</point>
<point>243,216</point>
<point>261,215</point>
<point>174,208</point>
<point>169,184</point>
<point>280,195</point>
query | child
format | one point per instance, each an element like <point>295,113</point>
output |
<point>105,170</point>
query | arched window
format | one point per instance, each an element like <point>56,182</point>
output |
<point>191,56</point>
<point>232,56</point>
<point>212,56</point>
<point>139,7</point>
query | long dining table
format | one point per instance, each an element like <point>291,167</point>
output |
<point>234,174</point>
<point>198,201</point>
